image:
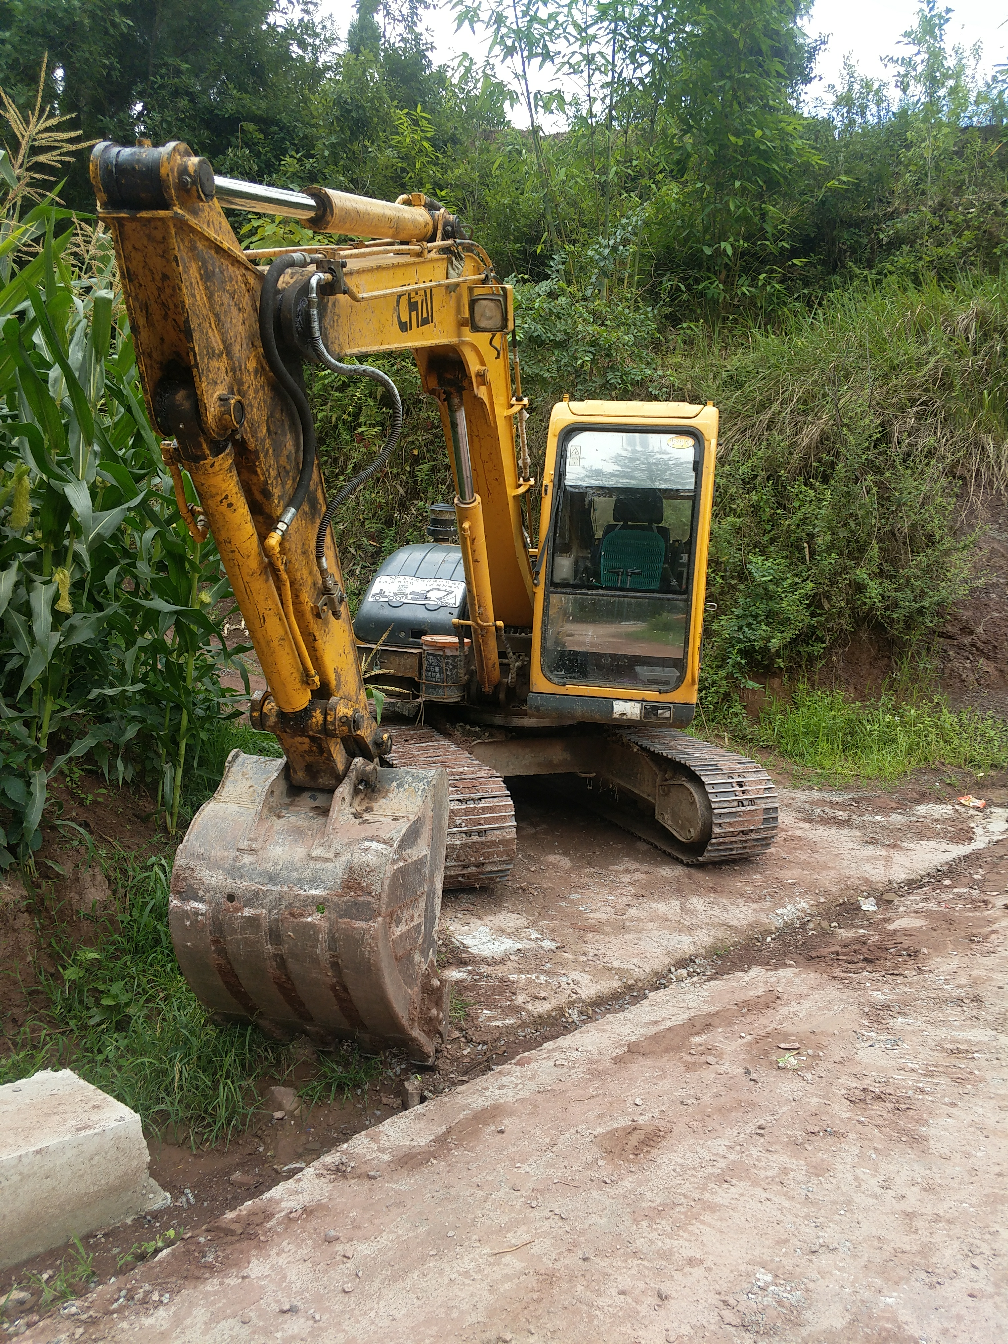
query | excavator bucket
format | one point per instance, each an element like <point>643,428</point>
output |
<point>315,912</point>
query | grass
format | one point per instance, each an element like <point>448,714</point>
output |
<point>75,1273</point>
<point>121,1015</point>
<point>341,1073</point>
<point>841,739</point>
<point>217,741</point>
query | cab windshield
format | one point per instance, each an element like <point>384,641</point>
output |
<point>621,556</point>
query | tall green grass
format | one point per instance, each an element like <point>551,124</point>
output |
<point>121,1015</point>
<point>841,739</point>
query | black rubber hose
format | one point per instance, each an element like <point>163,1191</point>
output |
<point>355,482</point>
<point>267,334</point>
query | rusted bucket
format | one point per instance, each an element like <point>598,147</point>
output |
<point>317,912</point>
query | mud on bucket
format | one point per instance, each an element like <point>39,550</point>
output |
<point>315,912</point>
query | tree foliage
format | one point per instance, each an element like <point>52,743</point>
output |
<point>672,207</point>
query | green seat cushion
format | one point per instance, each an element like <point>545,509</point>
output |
<point>632,558</point>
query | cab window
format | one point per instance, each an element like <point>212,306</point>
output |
<point>620,563</point>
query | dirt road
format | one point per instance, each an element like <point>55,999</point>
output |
<point>801,1138</point>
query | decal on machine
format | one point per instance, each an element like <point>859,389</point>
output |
<point>415,309</point>
<point>400,589</point>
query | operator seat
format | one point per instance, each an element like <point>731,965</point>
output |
<point>634,545</point>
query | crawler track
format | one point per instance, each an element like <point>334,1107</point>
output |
<point>481,821</point>
<point>742,796</point>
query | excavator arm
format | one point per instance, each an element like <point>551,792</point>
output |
<point>306,895</point>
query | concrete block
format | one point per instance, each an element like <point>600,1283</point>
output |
<point>72,1160</point>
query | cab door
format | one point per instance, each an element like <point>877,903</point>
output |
<point>621,572</point>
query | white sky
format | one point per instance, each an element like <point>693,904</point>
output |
<point>867,29</point>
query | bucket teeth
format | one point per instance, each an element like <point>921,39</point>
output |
<point>314,912</point>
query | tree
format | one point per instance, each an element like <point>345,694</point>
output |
<point>214,73</point>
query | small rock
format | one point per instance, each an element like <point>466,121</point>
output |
<point>638,1101</point>
<point>711,1060</point>
<point>246,1319</point>
<point>348,1253</point>
<point>283,1099</point>
<point>279,1115</point>
<point>349,1287</point>
<point>291,1308</point>
<point>500,1129</point>
<point>387,1100</point>
<point>410,1093</point>
<point>16,1302</point>
<point>331,1234</point>
<point>373,1175</point>
<point>662,1295</point>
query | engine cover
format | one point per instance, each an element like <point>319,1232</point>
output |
<point>419,590</point>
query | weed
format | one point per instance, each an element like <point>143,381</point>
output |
<point>143,1250</point>
<point>458,1007</point>
<point>343,1072</point>
<point>76,1271</point>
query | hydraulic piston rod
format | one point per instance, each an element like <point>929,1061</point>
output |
<point>472,540</point>
<point>132,177</point>
<point>330,211</point>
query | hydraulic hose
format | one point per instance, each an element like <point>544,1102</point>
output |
<point>348,371</point>
<point>267,334</point>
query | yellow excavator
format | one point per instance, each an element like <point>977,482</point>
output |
<point>307,891</point>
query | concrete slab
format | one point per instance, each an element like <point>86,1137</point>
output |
<point>810,1153</point>
<point>590,912</point>
<point>72,1160</point>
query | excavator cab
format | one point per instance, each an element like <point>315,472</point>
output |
<point>621,570</point>
<point>622,542</point>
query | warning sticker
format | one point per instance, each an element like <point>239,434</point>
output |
<point>626,709</point>
<point>400,589</point>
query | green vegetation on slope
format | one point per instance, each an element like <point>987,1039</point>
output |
<point>840,740</point>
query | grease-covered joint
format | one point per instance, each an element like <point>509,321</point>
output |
<point>259,706</point>
<point>142,177</point>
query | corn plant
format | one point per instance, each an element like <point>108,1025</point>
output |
<point>107,645</point>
